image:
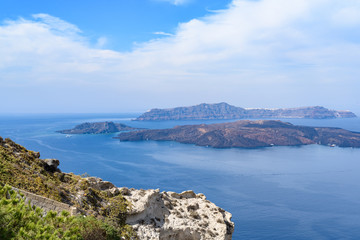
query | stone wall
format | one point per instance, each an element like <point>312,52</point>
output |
<point>47,204</point>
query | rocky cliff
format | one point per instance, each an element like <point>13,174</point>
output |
<point>175,216</point>
<point>97,128</point>
<point>225,111</point>
<point>248,134</point>
<point>153,215</point>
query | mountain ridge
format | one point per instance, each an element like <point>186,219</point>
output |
<point>224,110</point>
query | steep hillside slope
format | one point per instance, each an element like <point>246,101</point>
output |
<point>151,213</point>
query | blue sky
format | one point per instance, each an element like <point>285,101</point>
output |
<point>122,22</point>
<point>129,56</point>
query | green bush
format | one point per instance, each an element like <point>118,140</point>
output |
<point>21,221</point>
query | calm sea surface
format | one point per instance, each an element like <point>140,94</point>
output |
<point>308,192</point>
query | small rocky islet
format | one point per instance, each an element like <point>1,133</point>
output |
<point>97,128</point>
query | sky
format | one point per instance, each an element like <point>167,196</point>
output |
<point>115,56</point>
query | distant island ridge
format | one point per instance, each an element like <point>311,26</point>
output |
<point>248,134</point>
<point>223,110</point>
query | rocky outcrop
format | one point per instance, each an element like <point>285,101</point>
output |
<point>51,165</point>
<point>168,215</point>
<point>174,216</point>
<point>99,184</point>
<point>248,134</point>
<point>225,111</point>
<point>97,128</point>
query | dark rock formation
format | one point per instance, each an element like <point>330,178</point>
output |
<point>248,134</point>
<point>51,165</point>
<point>97,128</point>
<point>225,111</point>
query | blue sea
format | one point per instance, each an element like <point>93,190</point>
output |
<point>307,192</point>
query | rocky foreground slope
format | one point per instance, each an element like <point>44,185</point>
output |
<point>248,134</point>
<point>150,214</point>
<point>97,128</point>
<point>225,111</point>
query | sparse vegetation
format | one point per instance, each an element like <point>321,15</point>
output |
<point>19,220</point>
<point>23,169</point>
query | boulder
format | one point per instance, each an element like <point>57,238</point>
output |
<point>51,165</point>
<point>99,184</point>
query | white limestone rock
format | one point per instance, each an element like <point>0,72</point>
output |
<point>174,216</point>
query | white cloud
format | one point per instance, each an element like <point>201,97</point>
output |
<point>163,33</point>
<point>180,2</point>
<point>56,24</point>
<point>49,46</point>
<point>101,42</point>
<point>348,16</point>
<point>253,54</point>
<point>177,2</point>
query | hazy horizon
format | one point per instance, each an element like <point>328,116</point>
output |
<point>145,110</point>
<point>356,111</point>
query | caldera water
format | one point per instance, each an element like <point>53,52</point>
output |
<point>307,192</point>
